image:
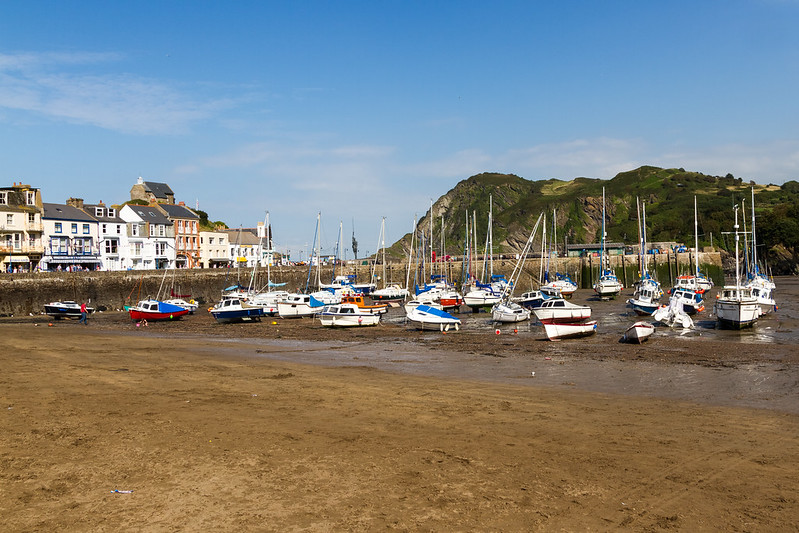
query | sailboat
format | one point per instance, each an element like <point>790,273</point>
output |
<point>506,310</point>
<point>561,286</point>
<point>155,308</point>
<point>647,289</point>
<point>484,294</point>
<point>389,292</point>
<point>696,281</point>
<point>607,286</point>
<point>762,286</point>
<point>736,307</point>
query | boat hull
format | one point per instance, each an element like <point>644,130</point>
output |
<point>339,321</point>
<point>556,331</point>
<point>138,315</point>
<point>639,332</point>
<point>59,310</point>
<point>736,315</point>
<point>237,315</point>
<point>427,317</point>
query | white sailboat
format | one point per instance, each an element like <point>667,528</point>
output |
<point>608,285</point>
<point>736,307</point>
<point>762,286</point>
<point>506,310</point>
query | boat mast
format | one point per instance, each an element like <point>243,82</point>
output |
<point>410,256</point>
<point>271,253</point>
<point>383,245</point>
<point>432,260</point>
<point>640,240</point>
<point>696,240</point>
<point>603,258</point>
<point>754,238</point>
<point>643,233</point>
<point>737,266</point>
<point>491,237</point>
<point>544,274</point>
<point>310,261</point>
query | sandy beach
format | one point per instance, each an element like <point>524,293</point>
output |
<point>289,427</point>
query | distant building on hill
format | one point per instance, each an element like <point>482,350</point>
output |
<point>152,191</point>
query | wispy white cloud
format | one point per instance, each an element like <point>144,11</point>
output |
<point>775,162</point>
<point>43,84</point>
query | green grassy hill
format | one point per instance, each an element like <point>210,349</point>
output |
<point>667,193</point>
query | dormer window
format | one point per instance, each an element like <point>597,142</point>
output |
<point>30,198</point>
<point>112,212</point>
<point>98,211</point>
<point>4,198</point>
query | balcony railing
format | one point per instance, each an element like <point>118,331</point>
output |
<point>21,249</point>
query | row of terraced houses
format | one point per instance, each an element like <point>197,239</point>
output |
<point>36,235</point>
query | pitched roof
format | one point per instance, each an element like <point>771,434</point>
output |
<point>159,190</point>
<point>178,211</point>
<point>150,214</point>
<point>242,236</point>
<point>90,208</point>
<point>65,212</point>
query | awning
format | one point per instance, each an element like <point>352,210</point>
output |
<point>72,259</point>
<point>19,259</point>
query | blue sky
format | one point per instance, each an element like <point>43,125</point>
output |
<point>360,110</point>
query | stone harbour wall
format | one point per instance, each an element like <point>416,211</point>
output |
<point>28,293</point>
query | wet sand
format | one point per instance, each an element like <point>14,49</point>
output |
<point>289,426</point>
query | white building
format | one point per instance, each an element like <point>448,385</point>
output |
<point>149,239</point>
<point>111,228</point>
<point>214,249</point>
<point>70,237</point>
<point>21,230</point>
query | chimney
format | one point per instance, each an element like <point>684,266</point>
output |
<point>182,203</point>
<point>75,202</point>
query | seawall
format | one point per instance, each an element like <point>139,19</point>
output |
<point>27,293</point>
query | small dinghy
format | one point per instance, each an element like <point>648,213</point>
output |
<point>639,332</point>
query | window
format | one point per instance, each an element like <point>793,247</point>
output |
<point>111,246</point>
<point>210,240</point>
<point>161,230</point>
<point>112,212</point>
<point>119,229</point>
<point>85,229</point>
<point>78,246</point>
<point>58,227</point>
<point>4,198</point>
<point>104,228</point>
<point>134,230</point>
<point>31,218</point>
<point>160,248</point>
<point>59,245</point>
<point>30,198</point>
<point>98,211</point>
<point>75,228</point>
<point>137,248</point>
<point>10,220</point>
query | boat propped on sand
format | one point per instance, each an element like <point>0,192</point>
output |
<point>563,330</point>
<point>428,317</point>
<point>66,309</point>
<point>559,310</point>
<point>639,332</point>
<point>236,310</point>
<point>156,310</point>
<point>347,315</point>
